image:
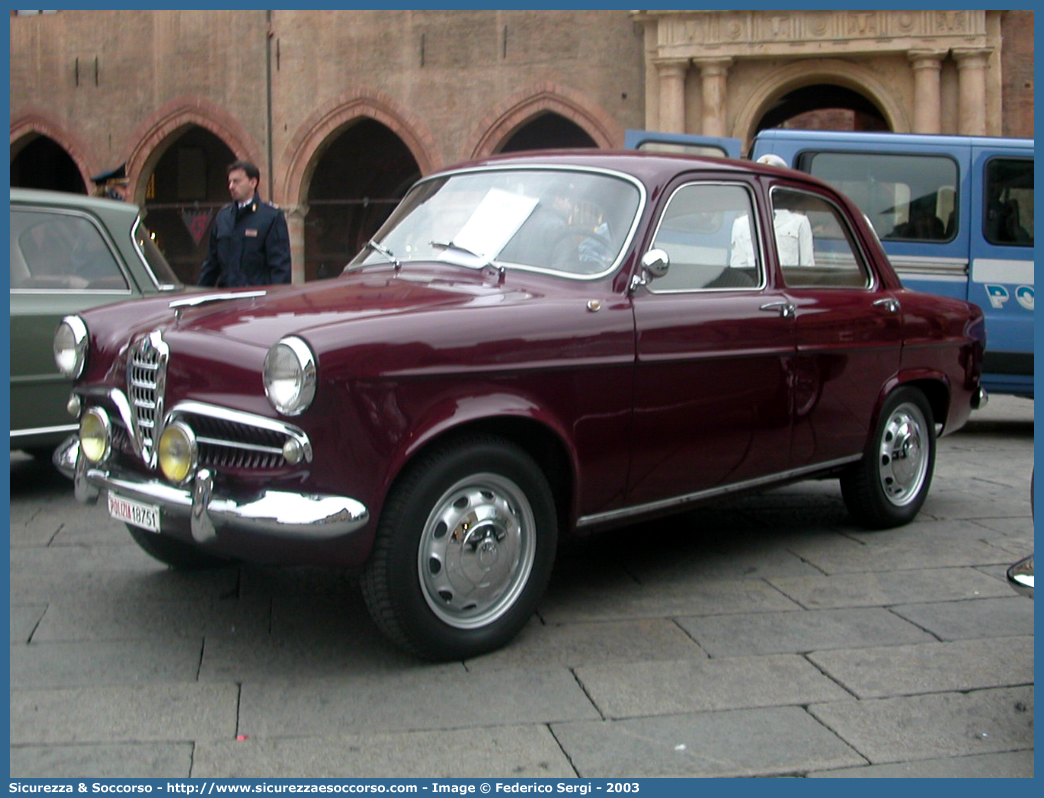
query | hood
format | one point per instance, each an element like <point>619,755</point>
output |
<point>261,315</point>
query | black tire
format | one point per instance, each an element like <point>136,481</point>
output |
<point>889,485</point>
<point>463,551</point>
<point>178,555</point>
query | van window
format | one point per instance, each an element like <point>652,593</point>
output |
<point>906,197</point>
<point>813,243</point>
<point>1008,211</point>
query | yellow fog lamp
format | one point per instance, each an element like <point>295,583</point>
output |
<point>95,435</point>
<point>177,452</point>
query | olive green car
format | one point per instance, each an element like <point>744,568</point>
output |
<point>69,252</point>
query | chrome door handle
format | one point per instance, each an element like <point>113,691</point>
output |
<point>889,304</point>
<point>784,308</point>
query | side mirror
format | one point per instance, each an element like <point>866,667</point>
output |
<point>655,264</point>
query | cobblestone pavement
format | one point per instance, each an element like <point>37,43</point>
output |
<point>765,636</point>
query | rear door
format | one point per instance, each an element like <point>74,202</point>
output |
<point>681,143</point>
<point>1002,262</point>
<point>848,326</point>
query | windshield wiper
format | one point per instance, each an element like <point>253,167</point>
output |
<point>485,261</point>
<point>383,250</point>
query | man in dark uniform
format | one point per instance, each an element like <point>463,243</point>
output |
<point>249,242</point>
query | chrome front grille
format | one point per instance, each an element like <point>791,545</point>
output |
<point>230,440</point>
<point>229,444</point>
<point>146,381</point>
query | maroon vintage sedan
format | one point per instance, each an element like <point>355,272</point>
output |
<point>532,346</point>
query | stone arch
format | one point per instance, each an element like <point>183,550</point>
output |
<point>819,70</point>
<point>322,126</point>
<point>39,122</point>
<point>522,106</point>
<point>156,133</point>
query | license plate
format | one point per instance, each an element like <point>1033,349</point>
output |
<point>147,516</point>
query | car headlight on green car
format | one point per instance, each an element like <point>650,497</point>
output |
<point>70,346</point>
<point>290,376</point>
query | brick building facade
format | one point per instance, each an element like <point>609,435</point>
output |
<point>342,110</point>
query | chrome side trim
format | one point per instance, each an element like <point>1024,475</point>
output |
<point>711,493</point>
<point>22,433</point>
<point>917,264</point>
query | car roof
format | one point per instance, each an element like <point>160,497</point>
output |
<point>649,167</point>
<point>66,199</point>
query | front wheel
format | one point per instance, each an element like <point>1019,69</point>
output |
<point>463,551</point>
<point>889,485</point>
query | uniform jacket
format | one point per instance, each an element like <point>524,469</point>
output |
<point>251,247</point>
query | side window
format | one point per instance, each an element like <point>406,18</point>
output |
<point>57,251</point>
<point>1009,202</point>
<point>906,197</point>
<point>707,233</point>
<point>814,244</point>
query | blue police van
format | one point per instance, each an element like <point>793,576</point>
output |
<point>954,214</point>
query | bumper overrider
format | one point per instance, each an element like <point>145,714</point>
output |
<point>198,504</point>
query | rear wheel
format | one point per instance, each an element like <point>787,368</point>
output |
<point>889,485</point>
<point>463,550</point>
<point>174,553</point>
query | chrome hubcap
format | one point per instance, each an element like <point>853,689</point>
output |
<point>903,457</point>
<point>477,550</point>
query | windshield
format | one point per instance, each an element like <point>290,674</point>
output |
<point>161,271</point>
<point>568,222</point>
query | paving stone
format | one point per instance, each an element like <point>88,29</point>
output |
<point>275,658</point>
<point>415,699</point>
<point>24,618</point>
<point>576,644</point>
<point>925,727</point>
<point>516,752</point>
<point>776,741</point>
<point>115,618</point>
<point>70,559</point>
<point>904,551</point>
<point>622,690</point>
<point>127,761</point>
<point>800,632</point>
<point>114,662</point>
<point>956,620</point>
<point>1013,765</point>
<point>162,584</point>
<point>930,667</point>
<point>891,588</point>
<point>172,712</point>
<point>670,599</point>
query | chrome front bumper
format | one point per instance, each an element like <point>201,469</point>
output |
<point>282,514</point>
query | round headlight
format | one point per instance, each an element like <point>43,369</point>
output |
<point>94,435</point>
<point>290,374</point>
<point>177,452</point>
<point>70,346</point>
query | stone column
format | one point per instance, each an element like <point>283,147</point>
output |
<point>672,73</point>
<point>972,63</point>
<point>927,114</point>
<point>714,74</point>
<point>295,224</point>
